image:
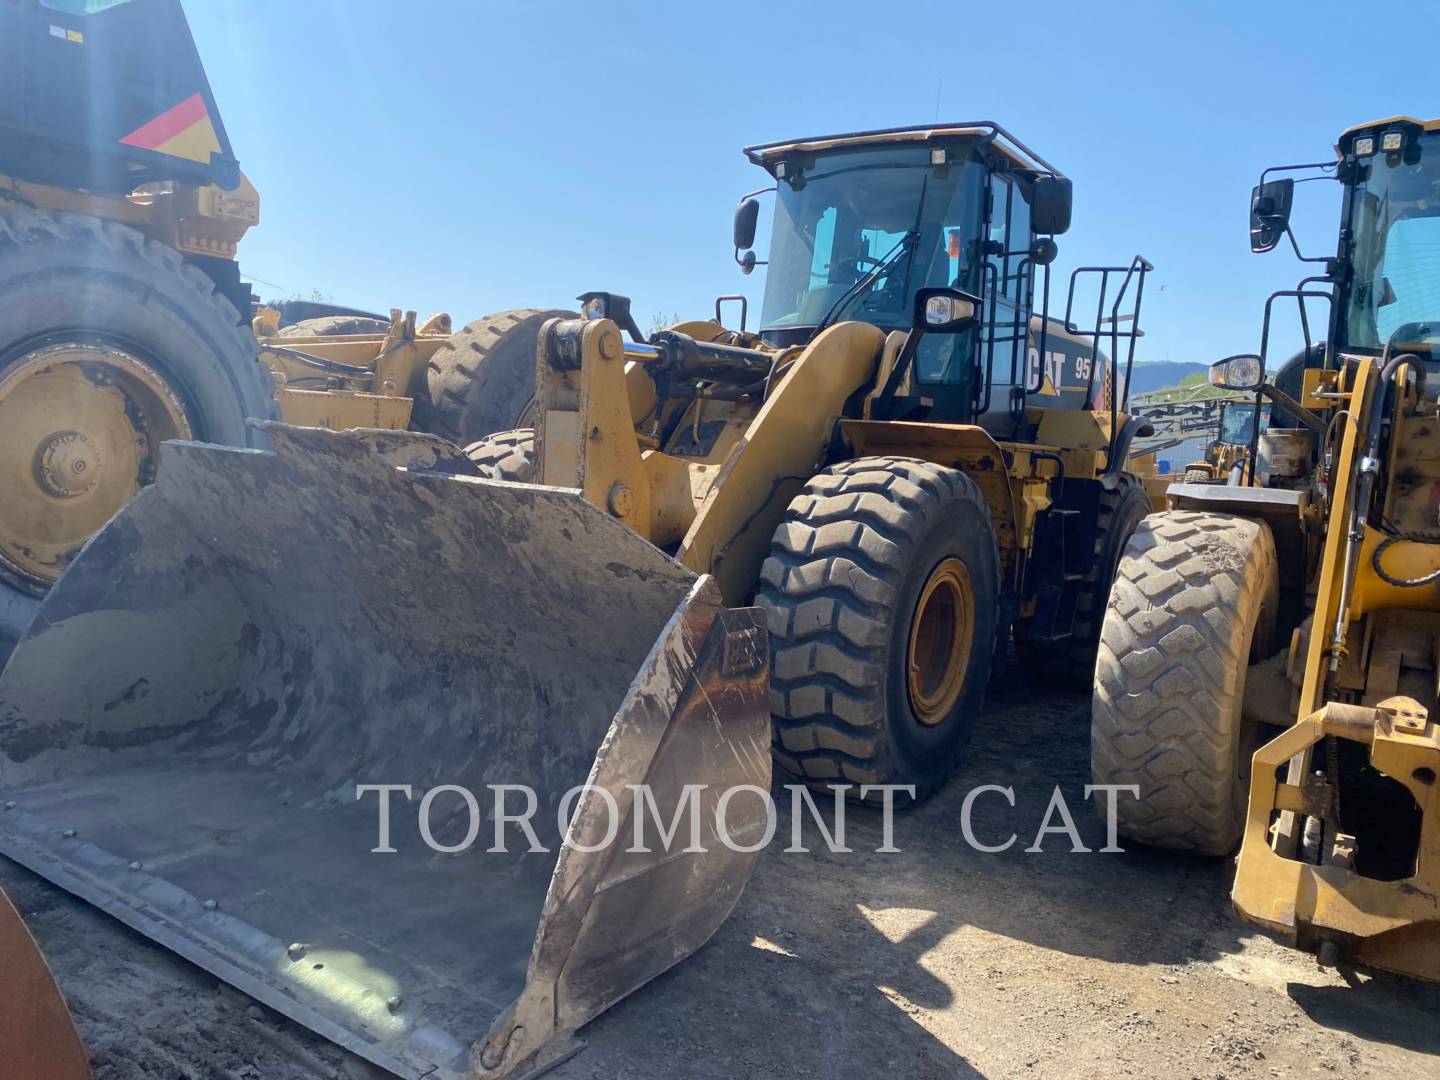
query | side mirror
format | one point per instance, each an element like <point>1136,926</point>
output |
<point>1043,251</point>
<point>746,215</point>
<point>1051,200</point>
<point>945,311</point>
<point>1270,204</point>
<point>1241,372</point>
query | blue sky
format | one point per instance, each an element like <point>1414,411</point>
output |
<point>485,155</point>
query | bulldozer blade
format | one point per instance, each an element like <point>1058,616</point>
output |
<point>187,729</point>
<point>37,1035</point>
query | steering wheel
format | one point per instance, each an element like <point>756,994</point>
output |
<point>859,262</point>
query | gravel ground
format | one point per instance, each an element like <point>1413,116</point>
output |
<point>937,961</point>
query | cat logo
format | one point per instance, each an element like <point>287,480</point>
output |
<point>1052,376</point>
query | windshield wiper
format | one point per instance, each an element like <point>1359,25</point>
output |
<point>862,285</point>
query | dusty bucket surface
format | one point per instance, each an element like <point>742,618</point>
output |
<point>184,727</point>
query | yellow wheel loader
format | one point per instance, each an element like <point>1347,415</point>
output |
<point>1267,668</point>
<point>906,459</point>
<point>1225,454</point>
<point>123,315</point>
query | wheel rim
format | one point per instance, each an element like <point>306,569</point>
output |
<point>940,637</point>
<point>80,432</point>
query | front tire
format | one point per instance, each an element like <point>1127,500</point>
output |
<point>881,593</point>
<point>1194,604</point>
<point>506,455</point>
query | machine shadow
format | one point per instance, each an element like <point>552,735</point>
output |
<point>1175,909</point>
<point>1380,1007</point>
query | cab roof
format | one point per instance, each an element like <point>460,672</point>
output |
<point>767,154</point>
<point>1374,125</point>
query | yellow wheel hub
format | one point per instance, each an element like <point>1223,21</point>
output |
<point>941,633</point>
<point>80,432</point>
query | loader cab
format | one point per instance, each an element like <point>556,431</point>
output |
<point>1392,217</point>
<point>1380,286</point>
<point>863,222</point>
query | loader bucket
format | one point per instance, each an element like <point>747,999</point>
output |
<point>185,727</point>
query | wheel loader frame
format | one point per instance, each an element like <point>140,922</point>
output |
<point>716,502</point>
<point>363,380</point>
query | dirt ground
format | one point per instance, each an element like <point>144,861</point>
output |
<point>938,961</point>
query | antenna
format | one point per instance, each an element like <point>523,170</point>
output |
<point>938,84</point>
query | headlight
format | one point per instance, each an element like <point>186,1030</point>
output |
<point>1391,141</point>
<point>1365,146</point>
<point>592,309</point>
<point>942,310</point>
<point>1237,373</point>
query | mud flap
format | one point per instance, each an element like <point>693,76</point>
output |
<point>185,728</point>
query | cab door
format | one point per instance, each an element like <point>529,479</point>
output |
<point>1000,389</point>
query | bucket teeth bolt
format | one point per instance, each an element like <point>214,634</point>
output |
<point>134,864</point>
<point>296,951</point>
<point>394,1003</point>
<point>68,834</point>
<point>209,905</point>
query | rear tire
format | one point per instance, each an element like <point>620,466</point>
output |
<point>483,379</point>
<point>109,344</point>
<point>1194,604</point>
<point>881,593</point>
<point>334,326</point>
<point>1071,663</point>
<point>506,455</point>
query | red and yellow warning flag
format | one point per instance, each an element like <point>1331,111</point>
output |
<point>184,131</point>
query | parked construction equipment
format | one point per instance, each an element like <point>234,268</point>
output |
<point>1305,598</point>
<point>900,463</point>
<point>126,320</point>
<point>906,458</point>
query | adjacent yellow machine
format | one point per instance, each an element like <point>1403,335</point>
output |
<point>124,320</point>
<point>1225,454</point>
<point>903,461</point>
<point>1307,599</point>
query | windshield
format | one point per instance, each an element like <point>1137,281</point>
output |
<point>849,214</point>
<point>1237,421</point>
<point>1395,218</point>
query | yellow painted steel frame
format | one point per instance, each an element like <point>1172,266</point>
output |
<point>1393,925</point>
<point>719,515</point>
<point>341,410</point>
<point>1386,924</point>
<point>195,220</point>
<point>396,362</point>
<point>720,512</point>
<point>780,451</point>
<point>1015,478</point>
